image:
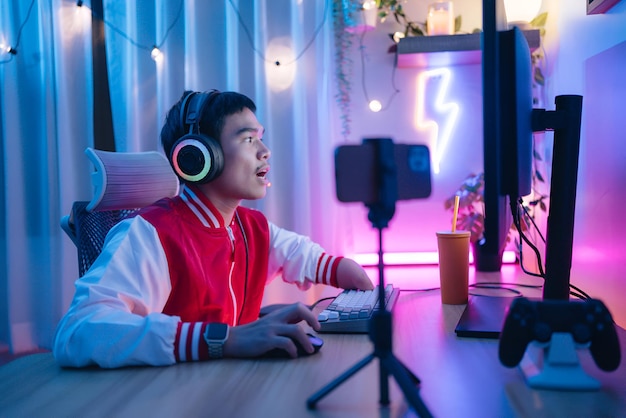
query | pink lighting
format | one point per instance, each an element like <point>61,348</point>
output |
<point>416,258</point>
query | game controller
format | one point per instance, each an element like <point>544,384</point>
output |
<point>587,321</point>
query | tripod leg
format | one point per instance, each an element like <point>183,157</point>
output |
<point>416,380</point>
<point>403,378</point>
<point>384,384</point>
<point>312,401</point>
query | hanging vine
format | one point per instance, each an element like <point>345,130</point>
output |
<point>344,12</point>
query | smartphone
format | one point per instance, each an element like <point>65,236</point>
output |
<point>356,172</point>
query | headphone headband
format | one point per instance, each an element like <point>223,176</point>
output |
<point>193,106</point>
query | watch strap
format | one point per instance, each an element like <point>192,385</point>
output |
<point>216,351</point>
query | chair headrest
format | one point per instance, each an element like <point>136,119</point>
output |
<point>128,180</point>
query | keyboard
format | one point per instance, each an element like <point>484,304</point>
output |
<point>350,311</point>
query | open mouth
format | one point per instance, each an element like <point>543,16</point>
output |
<point>262,173</point>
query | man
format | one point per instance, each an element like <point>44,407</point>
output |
<point>184,279</point>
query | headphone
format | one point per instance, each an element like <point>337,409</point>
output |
<point>196,158</point>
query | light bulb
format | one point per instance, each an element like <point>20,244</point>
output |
<point>280,70</point>
<point>375,106</point>
<point>369,4</point>
<point>156,54</point>
<point>7,50</point>
<point>397,36</point>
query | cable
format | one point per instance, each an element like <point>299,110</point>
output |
<point>502,286</point>
<point>578,292</point>
<point>260,54</point>
<point>363,84</point>
<point>529,286</point>
<point>167,32</point>
<point>320,301</point>
<point>532,220</point>
<point>574,291</point>
<point>508,289</point>
<point>12,51</point>
<point>132,41</point>
<point>516,220</point>
<point>521,263</point>
<point>429,289</point>
<point>485,285</point>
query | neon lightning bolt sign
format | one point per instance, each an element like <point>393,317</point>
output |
<point>449,112</point>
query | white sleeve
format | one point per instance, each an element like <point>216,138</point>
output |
<point>294,256</point>
<point>115,317</point>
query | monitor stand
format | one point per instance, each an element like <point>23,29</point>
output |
<point>483,317</point>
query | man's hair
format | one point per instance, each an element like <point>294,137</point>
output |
<point>212,120</point>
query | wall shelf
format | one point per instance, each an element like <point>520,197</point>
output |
<point>447,50</point>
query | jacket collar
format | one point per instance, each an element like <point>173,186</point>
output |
<point>201,207</point>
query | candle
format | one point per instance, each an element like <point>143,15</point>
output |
<point>367,18</point>
<point>440,19</point>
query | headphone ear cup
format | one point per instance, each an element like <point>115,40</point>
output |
<point>197,158</point>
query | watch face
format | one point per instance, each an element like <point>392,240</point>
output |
<point>216,331</point>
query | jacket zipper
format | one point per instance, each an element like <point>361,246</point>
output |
<point>230,274</point>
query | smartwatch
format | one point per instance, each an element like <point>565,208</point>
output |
<point>215,336</point>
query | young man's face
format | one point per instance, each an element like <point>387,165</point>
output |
<point>245,158</point>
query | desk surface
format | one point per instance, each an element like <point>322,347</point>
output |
<point>460,377</point>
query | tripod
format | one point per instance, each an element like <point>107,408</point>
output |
<point>380,326</point>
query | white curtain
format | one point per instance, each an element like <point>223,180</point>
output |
<point>46,109</point>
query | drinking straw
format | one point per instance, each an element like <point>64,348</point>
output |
<point>456,212</point>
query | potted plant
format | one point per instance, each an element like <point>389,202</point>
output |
<point>471,216</point>
<point>471,206</point>
<point>471,212</point>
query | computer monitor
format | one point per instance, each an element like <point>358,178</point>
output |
<point>509,121</point>
<point>507,114</point>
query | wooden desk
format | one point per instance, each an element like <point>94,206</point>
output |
<point>460,377</point>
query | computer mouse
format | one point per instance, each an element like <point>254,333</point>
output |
<point>280,353</point>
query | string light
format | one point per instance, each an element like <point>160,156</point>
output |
<point>155,50</point>
<point>277,62</point>
<point>9,50</point>
<point>375,105</point>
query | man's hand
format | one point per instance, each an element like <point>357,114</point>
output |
<point>277,329</point>
<point>351,275</point>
